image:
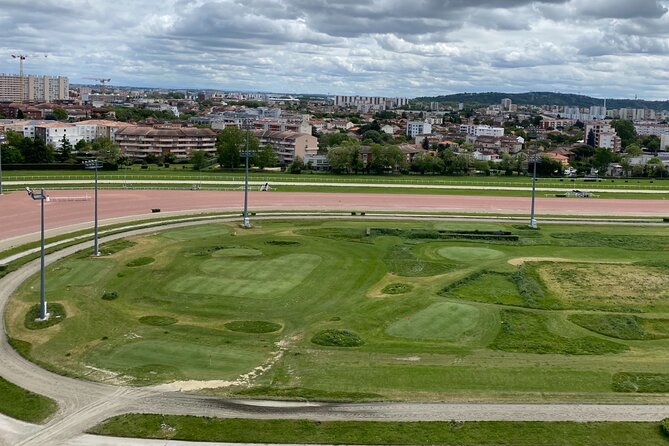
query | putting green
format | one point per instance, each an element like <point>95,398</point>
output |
<point>469,254</point>
<point>446,321</point>
<point>256,279</point>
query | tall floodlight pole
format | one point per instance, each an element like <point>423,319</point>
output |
<point>533,221</point>
<point>2,141</point>
<point>43,315</point>
<point>95,165</point>
<point>246,222</point>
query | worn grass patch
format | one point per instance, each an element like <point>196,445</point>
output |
<point>253,326</point>
<point>24,405</point>
<point>55,310</point>
<point>488,287</point>
<point>641,382</point>
<point>157,321</point>
<point>337,338</point>
<point>481,433</point>
<point>623,326</point>
<point>469,254</point>
<point>605,239</point>
<point>528,333</point>
<point>592,286</point>
<point>109,248</point>
<point>141,261</point>
<point>397,288</point>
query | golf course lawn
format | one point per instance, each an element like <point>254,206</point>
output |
<point>367,310</point>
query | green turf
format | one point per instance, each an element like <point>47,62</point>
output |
<point>458,334</point>
<point>641,382</point>
<point>335,337</point>
<point>24,405</point>
<point>445,321</point>
<point>141,261</point>
<point>623,326</point>
<point>497,433</point>
<point>397,288</point>
<point>56,313</point>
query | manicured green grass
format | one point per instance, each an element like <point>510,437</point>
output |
<point>141,261</point>
<point>337,338</point>
<point>221,290</point>
<point>24,405</point>
<point>497,433</point>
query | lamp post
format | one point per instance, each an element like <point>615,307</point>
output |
<point>95,165</point>
<point>245,216</point>
<point>2,141</point>
<point>43,315</point>
<point>533,221</point>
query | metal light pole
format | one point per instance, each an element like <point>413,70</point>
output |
<point>43,314</point>
<point>2,141</point>
<point>95,164</point>
<point>533,221</point>
<point>246,222</point>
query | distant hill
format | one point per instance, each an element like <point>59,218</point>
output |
<point>545,98</point>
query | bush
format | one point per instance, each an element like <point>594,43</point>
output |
<point>397,288</point>
<point>157,321</point>
<point>337,338</point>
<point>109,295</point>
<point>253,326</point>
<point>664,425</point>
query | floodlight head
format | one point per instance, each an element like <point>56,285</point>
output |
<point>30,191</point>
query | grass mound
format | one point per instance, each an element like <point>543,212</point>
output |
<point>528,333</point>
<point>401,260</point>
<point>157,321</point>
<point>57,315</point>
<point>282,242</point>
<point>623,326</point>
<point>24,405</point>
<point>337,338</point>
<point>641,382</point>
<point>140,262</point>
<point>109,248</point>
<point>397,288</point>
<point>253,326</point>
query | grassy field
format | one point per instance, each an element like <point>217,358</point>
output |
<point>371,432</point>
<point>24,405</point>
<point>414,311</point>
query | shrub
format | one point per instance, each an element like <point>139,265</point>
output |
<point>665,426</point>
<point>397,288</point>
<point>157,321</point>
<point>110,295</point>
<point>337,338</point>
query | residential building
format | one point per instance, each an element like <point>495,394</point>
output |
<point>55,132</point>
<point>415,128</point>
<point>601,134</point>
<point>366,104</point>
<point>33,88</point>
<point>481,130</point>
<point>651,129</point>
<point>288,145</point>
<point>137,142</point>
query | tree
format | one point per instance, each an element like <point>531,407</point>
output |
<point>591,138</point>
<point>81,146</point>
<point>601,160</point>
<point>625,130</point>
<point>65,153</point>
<point>425,163</point>
<point>169,158</point>
<point>199,159</point>
<point>107,151</point>
<point>230,145</point>
<point>11,154</point>
<point>266,157</point>
<point>327,140</point>
<point>345,158</point>
<point>60,114</point>
<point>633,150</point>
<point>372,136</point>
<point>296,166</point>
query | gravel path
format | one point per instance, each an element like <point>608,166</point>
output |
<point>83,404</point>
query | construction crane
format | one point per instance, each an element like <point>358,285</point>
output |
<point>102,81</point>
<point>21,58</point>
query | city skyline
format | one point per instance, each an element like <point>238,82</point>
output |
<point>612,48</point>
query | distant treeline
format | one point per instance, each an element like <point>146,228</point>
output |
<point>545,98</point>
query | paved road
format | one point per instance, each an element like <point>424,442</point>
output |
<point>83,404</point>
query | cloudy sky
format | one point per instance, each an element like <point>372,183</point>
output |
<point>602,48</point>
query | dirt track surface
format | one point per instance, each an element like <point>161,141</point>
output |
<point>83,404</point>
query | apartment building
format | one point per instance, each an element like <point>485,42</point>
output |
<point>366,104</point>
<point>415,128</point>
<point>651,129</point>
<point>138,142</point>
<point>481,130</point>
<point>35,88</point>
<point>288,145</point>
<point>601,134</point>
<point>54,132</point>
